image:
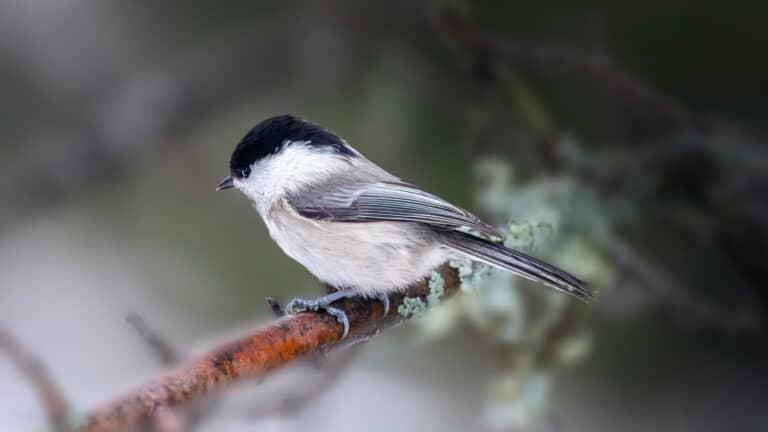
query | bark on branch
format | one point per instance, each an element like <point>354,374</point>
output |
<point>270,347</point>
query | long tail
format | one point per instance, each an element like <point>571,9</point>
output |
<point>517,262</point>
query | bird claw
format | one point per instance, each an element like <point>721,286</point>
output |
<point>320,304</point>
<point>340,316</point>
<point>324,304</point>
<point>384,298</point>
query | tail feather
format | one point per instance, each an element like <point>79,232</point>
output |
<point>517,262</point>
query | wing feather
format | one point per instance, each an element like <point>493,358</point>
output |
<point>387,201</point>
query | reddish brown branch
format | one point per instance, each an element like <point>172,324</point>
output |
<point>327,371</point>
<point>270,347</point>
<point>51,397</point>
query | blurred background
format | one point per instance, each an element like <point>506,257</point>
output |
<point>622,140</point>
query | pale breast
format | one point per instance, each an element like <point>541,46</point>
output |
<point>372,257</point>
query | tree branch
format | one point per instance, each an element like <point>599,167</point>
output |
<point>51,397</point>
<point>268,348</point>
<point>326,372</point>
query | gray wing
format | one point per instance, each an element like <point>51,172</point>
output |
<point>386,201</point>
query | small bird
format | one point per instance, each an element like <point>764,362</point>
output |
<point>357,227</point>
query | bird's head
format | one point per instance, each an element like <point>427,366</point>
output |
<point>284,153</point>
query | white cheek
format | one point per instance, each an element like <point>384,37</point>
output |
<point>294,168</point>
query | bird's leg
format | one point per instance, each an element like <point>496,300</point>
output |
<point>380,296</point>
<point>323,303</point>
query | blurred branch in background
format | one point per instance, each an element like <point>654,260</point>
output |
<point>489,49</point>
<point>625,86</point>
<point>51,398</point>
<point>691,309</point>
<point>166,354</point>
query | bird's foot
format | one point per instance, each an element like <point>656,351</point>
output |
<point>323,304</point>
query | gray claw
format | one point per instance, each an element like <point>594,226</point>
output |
<point>382,297</point>
<point>340,316</point>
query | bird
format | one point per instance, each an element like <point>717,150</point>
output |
<point>356,227</point>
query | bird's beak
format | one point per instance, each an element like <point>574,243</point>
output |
<point>225,184</point>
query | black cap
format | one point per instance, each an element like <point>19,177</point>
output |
<point>271,135</point>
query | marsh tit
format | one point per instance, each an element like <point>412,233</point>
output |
<point>357,227</point>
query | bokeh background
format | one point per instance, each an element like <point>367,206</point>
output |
<point>622,140</point>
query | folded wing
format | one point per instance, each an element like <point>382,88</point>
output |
<point>387,201</point>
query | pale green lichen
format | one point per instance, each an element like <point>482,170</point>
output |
<point>415,306</point>
<point>463,266</point>
<point>436,289</point>
<point>529,237</point>
<point>471,274</point>
<point>412,307</point>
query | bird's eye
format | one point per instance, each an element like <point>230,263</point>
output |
<point>245,172</point>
